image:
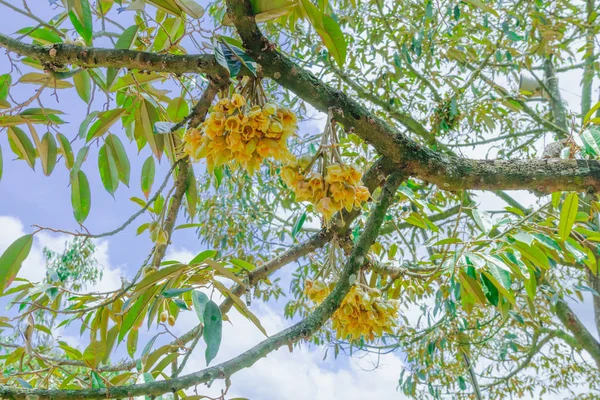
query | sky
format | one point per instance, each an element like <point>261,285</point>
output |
<point>28,197</point>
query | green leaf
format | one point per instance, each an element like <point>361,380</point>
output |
<point>148,170</point>
<point>81,18</point>
<point>232,57</point>
<point>127,38</point>
<point>21,145</point>
<point>482,6</point>
<point>213,327</point>
<point>120,155</point>
<point>37,78</point>
<point>109,173</point>
<point>80,197</point>
<point>65,150</point>
<point>245,265</point>
<point>568,213</point>
<point>81,157</point>
<point>191,8</point>
<point>267,10</point>
<point>106,119</point>
<point>48,152</point>
<point>42,35</point>
<point>5,83</point>
<point>132,315</point>
<point>200,258</point>
<point>298,225</point>
<point>12,259</point>
<point>83,128</point>
<point>191,193</point>
<point>329,30</point>
<point>132,340</point>
<point>199,300</point>
<point>134,78</point>
<point>178,109</point>
<point>587,116</point>
<point>167,294</point>
<point>93,353</point>
<point>145,118</point>
<point>83,85</point>
<point>483,220</point>
<point>591,140</point>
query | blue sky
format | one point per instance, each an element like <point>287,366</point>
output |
<point>28,197</point>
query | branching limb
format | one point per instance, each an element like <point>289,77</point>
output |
<point>301,330</point>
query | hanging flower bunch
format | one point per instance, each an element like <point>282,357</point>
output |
<point>363,312</point>
<point>243,128</point>
<point>325,180</point>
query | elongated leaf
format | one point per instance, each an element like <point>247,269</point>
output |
<point>94,353</point>
<point>37,78</point>
<point>159,275</point>
<point>21,145</point>
<point>568,213</point>
<point>109,174</point>
<point>145,118</point>
<point>83,85</point>
<point>132,341</point>
<point>178,109</point>
<point>12,259</point>
<point>482,6</point>
<point>191,8</point>
<point>65,150</point>
<point>124,42</point>
<point>213,327</point>
<point>48,152</point>
<point>199,300</point>
<point>328,29</point>
<point>483,220</point>
<point>80,197</point>
<point>148,170</point>
<point>199,259</point>
<point>120,155</point>
<point>221,270</point>
<point>81,18</point>
<point>591,112</point>
<point>298,225</point>
<point>240,306</point>
<point>191,193</point>
<point>106,119</point>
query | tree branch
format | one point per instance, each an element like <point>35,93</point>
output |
<point>302,329</point>
<point>576,327</point>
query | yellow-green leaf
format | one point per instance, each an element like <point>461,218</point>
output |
<point>105,120</point>
<point>109,174</point>
<point>48,152</point>
<point>80,197</point>
<point>482,6</point>
<point>65,150</point>
<point>37,78</point>
<point>568,213</point>
<point>83,85</point>
<point>12,259</point>
<point>21,145</point>
<point>148,170</point>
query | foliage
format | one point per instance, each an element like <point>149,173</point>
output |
<point>479,300</point>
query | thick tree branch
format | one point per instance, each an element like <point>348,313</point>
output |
<point>302,329</point>
<point>576,327</point>
<point>449,173</point>
<point>92,57</point>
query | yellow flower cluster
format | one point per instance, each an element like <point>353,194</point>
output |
<point>340,188</point>
<point>236,131</point>
<point>362,313</point>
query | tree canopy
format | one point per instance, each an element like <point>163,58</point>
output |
<point>376,220</point>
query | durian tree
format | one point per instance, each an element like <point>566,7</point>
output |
<point>427,106</point>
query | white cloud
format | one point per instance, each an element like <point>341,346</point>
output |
<point>34,267</point>
<point>302,374</point>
